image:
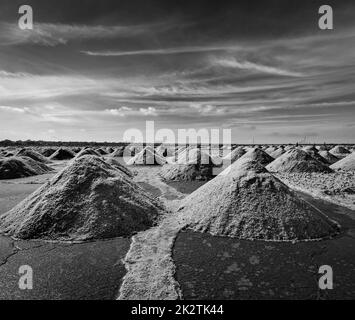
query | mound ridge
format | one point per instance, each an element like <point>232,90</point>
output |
<point>32,154</point>
<point>89,199</point>
<point>250,203</point>
<point>258,155</point>
<point>62,154</point>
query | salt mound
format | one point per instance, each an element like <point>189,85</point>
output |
<point>62,154</point>
<point>339,150</point>
<point>32,154</point>
<point>235,154</point>
<point>258,155</point>
<point>250,203</point>
<point>88,152</point>
<point>330,158</point>
<point>297,160</point>
<point>147,156</point>
<point>21,167</point>
<point>47,152</point>
<point>310,149</point>
<point>194,156</point>
<point>117,153</point>
<point>116,164</point>
<point>101,151</point>
<point>345,164</point>
<point>109,150</point>
<point>278,152</point>
<point>185,172</point>
<point>87,200</point>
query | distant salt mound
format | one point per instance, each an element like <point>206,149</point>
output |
<point>345,164</point>
<point>109,150</point>
<point>258,155</point>
<point>32,154</point>
<point>87,200</point>
<point>101,151</point>
<point>118,153</point>
<point>339,151</point>
<point>270,149</point>
<point>21,167</point>
<point>116,164</point>
<point>310,149</point>
<point>47,152</point>
<point>277,153</point>
<point>88,152</point>
<point>297,161</point>
<point>186,172</point>
<point>62,154</point>
<point>147,156</point>
<point>250,203</point>
<point>322,148</point>
<point>235,154</point>
<point>330,158</point>
<point>194,156</point>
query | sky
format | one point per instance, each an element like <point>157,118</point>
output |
<point>90,70</point>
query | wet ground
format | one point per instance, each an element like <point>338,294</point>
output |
<point>210,267</point>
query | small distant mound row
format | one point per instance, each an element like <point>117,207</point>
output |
<point>89,199</point>
<point>250,203</point>
<point>21,167</point>
<point>297,161</point>
<point>62,154</point>
<point>345,164</point>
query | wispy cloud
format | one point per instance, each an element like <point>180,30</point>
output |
<point>50,34</point>
<point>247,65</point>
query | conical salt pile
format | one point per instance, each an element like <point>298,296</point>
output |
<point>250,203</point>
<point>258,155</point>
<point>339,151</point>
<point>32,154</point>
<point>101,151</point>
<point>235,154</point>
<point>277,153</point>
<point>146,157</point>
<point>87,200</point>
<point>345,164</point>
<point>88,152</point>
<point>47,152</point>
<point>330,158</point>
<point>118,153</point>
<point>194,156</point>
<point>297,160</point>
<point>21,167</point>
<point>310,149</point>
<point>62,154</point>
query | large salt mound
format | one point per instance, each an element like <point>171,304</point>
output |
<point>345,164</point>
<point>62,154</point>
<point>297,160</point>
<point>330,158</point>
<point>194,156</point>
<point>87,200</point>
<point>147,157</point>
<point>258,155</point>
<point>21,167</point>
<point>250,203</point>
<point>32,154</point>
